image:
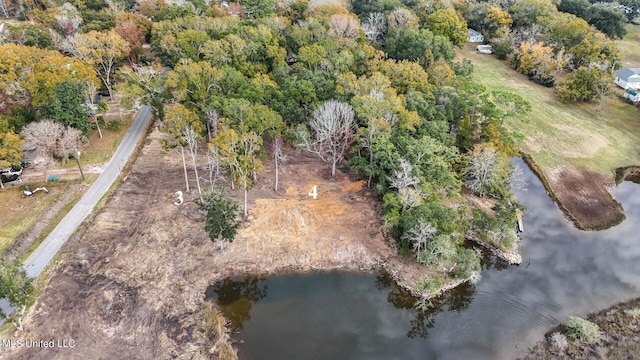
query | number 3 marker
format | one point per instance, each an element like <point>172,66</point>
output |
<point>314,192</point>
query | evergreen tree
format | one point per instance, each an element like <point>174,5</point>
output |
<point>66,106</point>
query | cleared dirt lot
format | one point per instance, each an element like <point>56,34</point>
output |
<point>584,197</point>
<point>582,194</point>
<point>132,280</point>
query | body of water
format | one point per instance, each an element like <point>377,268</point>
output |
<point>344,315</point>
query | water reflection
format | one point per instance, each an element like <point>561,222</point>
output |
<point>236,296</point>
<point>335,315</point>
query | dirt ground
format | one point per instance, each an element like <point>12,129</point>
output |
<point>132,280</point>
<point>583,196</point>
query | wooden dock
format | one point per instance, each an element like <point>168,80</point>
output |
<point>520,225</point>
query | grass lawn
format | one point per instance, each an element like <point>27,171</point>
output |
<point>95,150</point>
<point>21,213</point>
<point>564,134</point>
<point>630,46</point>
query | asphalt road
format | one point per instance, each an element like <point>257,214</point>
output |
<point>40,258</point>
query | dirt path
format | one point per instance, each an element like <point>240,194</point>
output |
<point>134,278</point>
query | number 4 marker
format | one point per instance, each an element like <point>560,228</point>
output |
<point>314,192</point>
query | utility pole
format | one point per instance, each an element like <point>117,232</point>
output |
<point>78,161</point>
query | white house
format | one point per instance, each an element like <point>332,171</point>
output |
<point>628,78</point>
<point>474,36</point>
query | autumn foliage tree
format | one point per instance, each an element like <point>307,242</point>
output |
<point>10,147</point>
<point>446,22</point>
<point>185,126</point>
<point>104,50</point>
<point>29,74</point>
<point>238,153</point>
<point>134,28</point>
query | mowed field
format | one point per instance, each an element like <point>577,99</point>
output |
<point>557,134</point>
<point>630,46</point>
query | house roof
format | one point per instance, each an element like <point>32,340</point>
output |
<point>625,73</point>
<point>472,32</point>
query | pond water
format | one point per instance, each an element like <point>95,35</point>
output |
<point>345,315</point>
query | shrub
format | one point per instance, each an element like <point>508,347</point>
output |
<point>558,341</point>
<point>467,263</point>
<point>579,328</point>
<point>431,284</point>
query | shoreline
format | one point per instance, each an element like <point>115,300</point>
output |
<point>566,208</point>
<point>618,340</point>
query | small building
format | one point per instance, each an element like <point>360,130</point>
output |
<point>484,49</point>
<point>474,36</point>
<point>628,78</point>
<point>632,95</point>
<point>233,8</point>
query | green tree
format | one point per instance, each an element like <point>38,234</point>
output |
<point>143,85</point>
<point>529,12</point>
<point>584,84</point>
<point>259,8</point>
<point>608,19</point>
<point>220,215</point>
<point>579,328</point>
<point>446,22</point>
<point>194,82</point>
<point>580,8</point>
<point>417,45</point>
<point>260,119</point>
<point>15,286</point>
<point>510,104</point>
<point>67,106</point>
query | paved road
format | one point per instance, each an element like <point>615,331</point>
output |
<point>41,257</point>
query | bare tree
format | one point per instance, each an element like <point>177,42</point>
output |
<point>420,235</point>
<point>401,18</point>
<point>409,193</point>
<point>484,171</point>
<point>345,26</point>
<point>68,143</point>
<point>333,128</point>
<point>44,135</point>
<point>278,156</point>
<point>213,164</point>
<point>4,9</point>
<point>375,27</point>
<point>402,177</point>
<point>89,90</point>
<point>191,136</point>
